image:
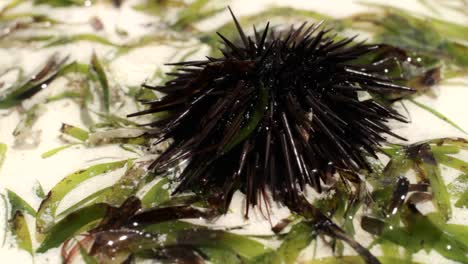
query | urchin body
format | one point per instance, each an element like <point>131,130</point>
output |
<point>277,112</point>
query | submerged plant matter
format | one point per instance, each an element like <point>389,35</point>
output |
<point>316,86</point>
<point>279,111</point>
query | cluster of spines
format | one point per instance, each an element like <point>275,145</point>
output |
<point>279,111</point>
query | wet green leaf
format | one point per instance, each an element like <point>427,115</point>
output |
<point>458,52</point>
<point>298,238</point>
<point>21,232</point>
<point>76,67</point>
<point>38,190</point>
<point>389,249</point>
<point>157,7</point>
<point>352,207</point>
<point>130,148</point>
<point>445,149</point>
<point>221,256</point>
<point>46,214</point>
<point>194,12</point>
<point>156,195</point>
<point>125,187</point>
<point>398,165</point>
<point>460,232</point>
<point>214,242</point>
<point>462,202</point>
<point>27,88</point>
<point>458,186</point>
<point>133,136</point>
<point>452,162</point>
<point>101,76</point>
<point>170,228</point>
<point>64,95</point>
<point>140,93</point>
<point>62,40</point>
<point>432,230</point>
<point>435,37</point>
<point>461,143</point>
<point>19,226</point>
<point>60,3</point>
<point>176,234</point>
<point>3,150</point>
<point>5,223</point>
<point>449,29</point>
<point>114,121</point>
<point>149,39</point>
<point>358,260</point>
<point>245,247</point>
<point>71,225</point>
<point>75,132</point>
<point>54,151</point>
<point>427,155</point>
<point>18,204</point>
<point>427,232</point>
<point>183,200</point>
<point>88,201</point>
<point>428,166</point>
<point>407,32</point>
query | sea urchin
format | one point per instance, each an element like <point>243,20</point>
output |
<point>278,111</point>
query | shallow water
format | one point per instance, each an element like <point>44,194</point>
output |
<point>24,167</point>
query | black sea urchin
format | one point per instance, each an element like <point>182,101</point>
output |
<point>278,111</point>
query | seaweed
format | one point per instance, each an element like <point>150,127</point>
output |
<point>39,190</point>
<point>71,225</point>
<point>27,88</point>
<point>3,151</point>
<point>126,186</point>
<point>426,165</point>
<point>61,3</point>
<point>421,232</point>
<point>357,260</point>
<point>101,76</point>
<point>187,15</point>
<point>430,36</point>
<point>298,238</point>
<point>18,204</point>
<point>459,187</point>
<point>153,245</point>
<point>21,232</point>
<point>111,224</point>
<point>405,226</point>
<point>54,151</point>
<point>158,7</point>
<point>194,12</point>
<point>5,223</point>
<point>75,132</point>
<point>47,210</point>
<point>421,158</point>
<point>18,225</point>
<point>156,195</point>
